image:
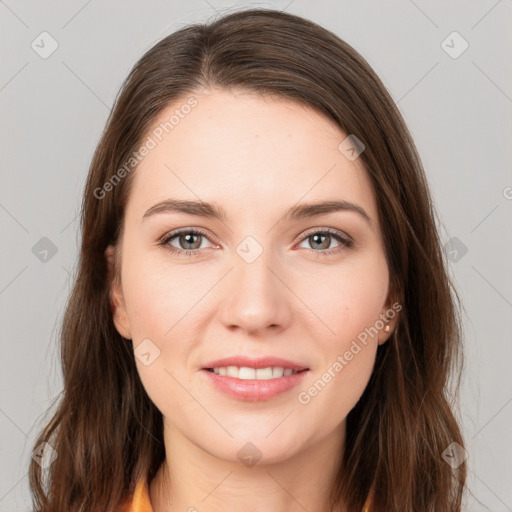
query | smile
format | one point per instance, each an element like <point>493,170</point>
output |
<point>246,373</point>
<point>250,384</point>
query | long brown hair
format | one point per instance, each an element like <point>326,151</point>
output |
<point>107,432</point>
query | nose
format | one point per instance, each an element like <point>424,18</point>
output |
<point>255,297</point>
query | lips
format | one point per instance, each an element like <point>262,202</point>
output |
<point>249,362</point>
<point>253,390</point>
<point>227,376</point>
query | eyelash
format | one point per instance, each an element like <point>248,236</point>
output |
<point>345,242</point>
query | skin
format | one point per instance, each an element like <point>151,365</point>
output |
<point>254,156</point>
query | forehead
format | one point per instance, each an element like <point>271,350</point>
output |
<point>247,152</point>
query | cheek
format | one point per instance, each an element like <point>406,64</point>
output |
<point>349,300</point>
<point>164,306</point>
<point>158,299</point>
<point>335,387</point>
<point>333,393</point>
<point>160,304</point>
<point>345,299</point>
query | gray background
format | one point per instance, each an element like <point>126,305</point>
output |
<point>53,112</point>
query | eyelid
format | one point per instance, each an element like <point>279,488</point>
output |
<point>345,239</point>
<point>191,229</point>
<point>330,231</point>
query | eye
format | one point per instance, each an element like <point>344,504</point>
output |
<point>188,239</point>
<point>321,239</point>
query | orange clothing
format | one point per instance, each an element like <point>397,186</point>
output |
<point>139,502</point>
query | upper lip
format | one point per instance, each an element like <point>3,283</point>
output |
<point>258,362</point>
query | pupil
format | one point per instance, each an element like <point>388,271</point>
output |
<point>317,237</point>
<point>187,238</point>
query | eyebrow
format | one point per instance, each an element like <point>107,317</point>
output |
<point>214,211</point>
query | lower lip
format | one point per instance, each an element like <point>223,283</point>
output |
<point>252,389</point>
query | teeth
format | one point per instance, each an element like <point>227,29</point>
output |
<point>262,373</point>
<point>245,372</point>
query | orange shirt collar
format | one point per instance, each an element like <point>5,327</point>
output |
<point>139,502</point>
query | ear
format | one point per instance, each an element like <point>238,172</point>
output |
<point>117,303</point>
<point>389,316</point>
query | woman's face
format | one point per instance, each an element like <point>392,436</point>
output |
<point>262,282</point>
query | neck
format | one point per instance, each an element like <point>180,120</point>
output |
<point>191,479</point>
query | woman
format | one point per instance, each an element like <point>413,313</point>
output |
<point>214,356</point>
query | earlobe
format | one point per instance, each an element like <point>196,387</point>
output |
<point>117,303</point>
<point>387,331</point>
<point>390,319</point>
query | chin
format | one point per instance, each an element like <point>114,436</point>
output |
<point>255,449</point>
